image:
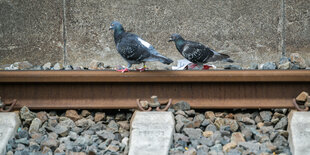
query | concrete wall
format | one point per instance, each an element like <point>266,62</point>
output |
<point>249,31</point>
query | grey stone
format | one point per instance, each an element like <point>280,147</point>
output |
<point>294,67</point>
<point>34,147</point>
<point>273,135</point>
<point>202,150</point>
<point>36,67</point>
<point>297,59</point>
<point>26,115</point>
<point>284,66</point>
<point>9,123</point>
<point>25,65</point>
<point>281,124</point>
<point>266,115</point>
<point>217,148</point>
<point>66,122</point>
<point>244,118</point>
<point>98,126</point>
<point>190,112</point>
<point>280,141</point>
<point>206,141</point>
<point>22,133</point>
<point>251,146</point>
<point>205,122</point>
<point>178,136</point>
<point>124,124</point>
<point>113,126</point>
<point>233,152</point>
<point>284,60</point>
<point>99,116</point>
<point>182,105</point>
<point>61,130</point>
<point>47,66</point>
<point>299,133</point>
<point>120,117</point>
<point>181,118</point>
<point>232,124</point>
<point>84,123</point>
<point>233,67</point>
<point>20,147</point>
<point>198,119</point>
<point>102,146</point>
<point>58,66</point>
<point>179,126</point>
<point>151,138</point>
<point>210,115</point>
<point>85,113</point>
<point>68,67</point>
<point>50,142</point>
<point>180,112</point>
<point>269,66</point>
<point>282,111</point>
<point>104,134</point>
<point>73,135</point>
<point>35,125</point>
<point>211,127</point>
<point>191,151</point>
<point>193,133</point>
<point>42,116</point>
<point>22,141</point>
<point>83,140</point>
<point>95,65</point>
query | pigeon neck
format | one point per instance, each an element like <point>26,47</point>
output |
<point>180,43</point>
<point>118,34</point>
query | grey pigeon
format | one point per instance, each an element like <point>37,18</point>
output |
<point>197,53</point>
<point>134,49</point>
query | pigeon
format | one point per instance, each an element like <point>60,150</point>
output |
<point>196,52</point>
<point>134,49</point>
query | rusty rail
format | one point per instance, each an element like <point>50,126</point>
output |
<point>113,90</point>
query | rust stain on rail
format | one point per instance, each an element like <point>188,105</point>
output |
<point>113,90</point>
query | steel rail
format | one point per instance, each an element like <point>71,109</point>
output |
<point>157,76</point>
<point>114,90</point>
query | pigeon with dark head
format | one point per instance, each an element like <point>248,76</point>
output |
<point>197,53</point>
<point>134,49</point>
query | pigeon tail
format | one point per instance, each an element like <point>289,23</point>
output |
<point>220,57</point>
<point>226,58</point>
<point>160,58</point>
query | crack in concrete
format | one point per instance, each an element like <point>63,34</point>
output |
<point>283,34</point>
<point>64,33</point>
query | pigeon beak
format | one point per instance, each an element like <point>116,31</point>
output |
<point>110,28</point>
<point>170,39</point>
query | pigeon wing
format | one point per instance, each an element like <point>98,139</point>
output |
<point>196,52</point>
<point>131,49</point>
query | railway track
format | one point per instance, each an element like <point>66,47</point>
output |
<point>113,90</point>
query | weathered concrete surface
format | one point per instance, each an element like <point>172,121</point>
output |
<point>246,30</point>
<point>298,28</point>
<point>249,31</point>
<point>9,122</point>
<point>151,133</point>
<point>299,133</point>
<point>31,30</point>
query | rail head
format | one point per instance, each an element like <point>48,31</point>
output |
<point>157,76</point>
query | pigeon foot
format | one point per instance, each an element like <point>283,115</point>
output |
<point>192,66</point>
<point>123,70</point>
<point>206,67</point>
<point>142,69</point>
